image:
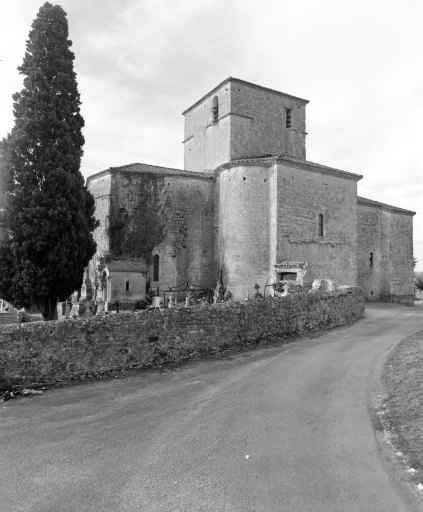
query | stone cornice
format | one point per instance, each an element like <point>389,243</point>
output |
<point>313,167</point>
<point>248,84</point>
<point>187,139</point>
<point>289,161</point>
<point>236,115</point>
<point>362,201</point>
<point>259,161</point>
<point>226,115</point>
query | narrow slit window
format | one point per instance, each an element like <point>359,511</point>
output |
<point>215,109</point>
<point>127,286</point>
<point>371,259</point>
<point>156,267</point>
<point>288,117</point>
<point>321,224</point>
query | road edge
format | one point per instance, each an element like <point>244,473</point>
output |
<point>394,462</point>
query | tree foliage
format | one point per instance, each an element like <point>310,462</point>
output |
<point>5,175</point>
<point>49,212</point>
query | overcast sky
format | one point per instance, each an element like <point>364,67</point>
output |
<point>140,63</point>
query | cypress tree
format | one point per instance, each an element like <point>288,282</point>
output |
<point>5,184</point>
<point>5,177</point>
<point>49,213</point>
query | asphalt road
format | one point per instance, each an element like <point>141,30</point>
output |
<point>285,428</point>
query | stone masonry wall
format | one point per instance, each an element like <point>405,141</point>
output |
<point>401,259</point>
<point>166,214</point>
<point>101,189</point>
<point>302,196</point>
<point>118,291</point>
<point>373,278</point>
<point>207,144</point>
<point>258,123</point>
<point>187,252</point>
<point>243,229</point>
<point>50,352</point>
<point>387,233</point>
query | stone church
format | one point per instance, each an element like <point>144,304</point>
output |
<point>248,210</point>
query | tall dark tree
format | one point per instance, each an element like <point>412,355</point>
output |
<point>5,176</point>
<point>49,212</point>
<point>5,184</point>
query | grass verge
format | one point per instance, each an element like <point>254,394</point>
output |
<point>402,377</point>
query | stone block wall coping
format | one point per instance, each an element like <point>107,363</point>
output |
<point>382,206</point>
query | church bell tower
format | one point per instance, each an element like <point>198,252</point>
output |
<point>238,119</point>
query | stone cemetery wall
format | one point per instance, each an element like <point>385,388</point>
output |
<point>61,351</point>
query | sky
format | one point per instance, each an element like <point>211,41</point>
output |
<point>141,63</point>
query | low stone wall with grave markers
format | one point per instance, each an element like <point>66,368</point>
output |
<point>60,351</point>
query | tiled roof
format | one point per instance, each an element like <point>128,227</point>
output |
<point>382,206</point>
<point>290,161</point>
<point>151,169</point>
<point>312,166</point>
<point>126,266</point>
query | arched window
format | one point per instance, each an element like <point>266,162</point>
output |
<point>215,109</point>
<point>156,267</point>
<point>127,286</point>
<point>321,224</point>
<point>371,259</point>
